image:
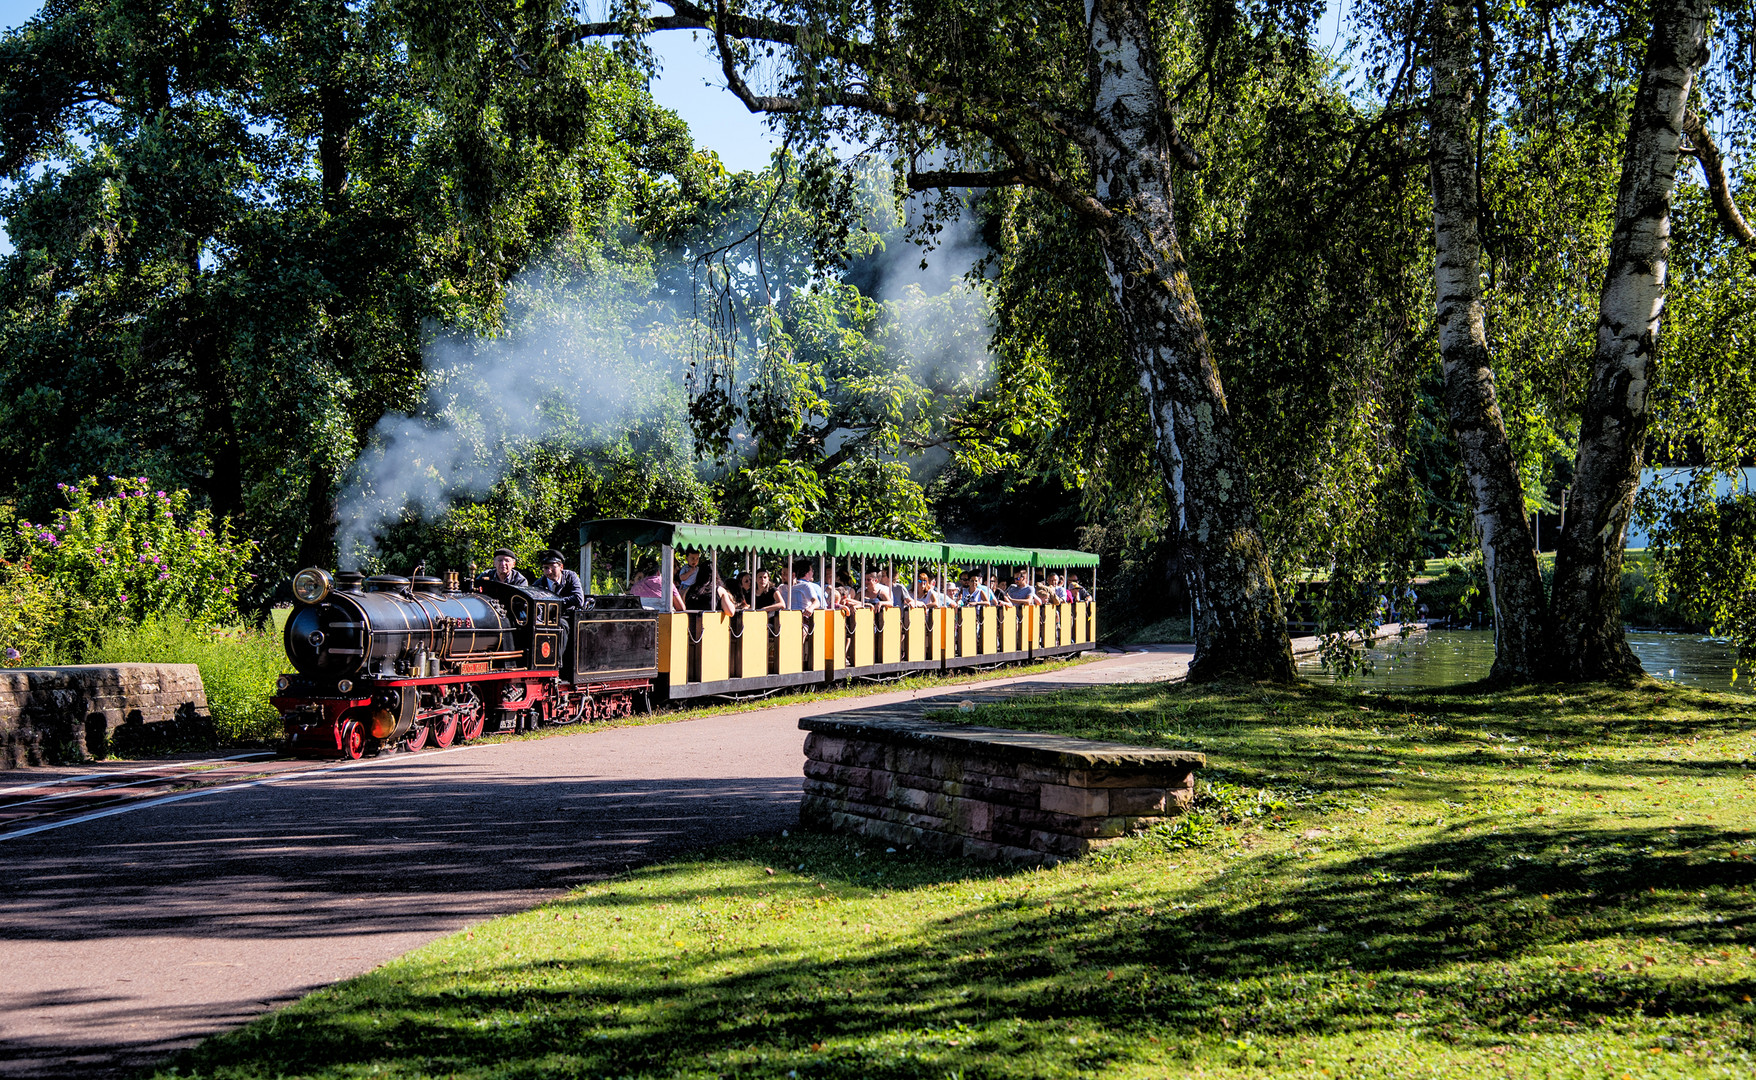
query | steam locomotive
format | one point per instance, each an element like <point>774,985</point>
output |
<point>395,662</point>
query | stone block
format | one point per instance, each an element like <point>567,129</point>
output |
<point>1074,801</point>
<point>983,792</point>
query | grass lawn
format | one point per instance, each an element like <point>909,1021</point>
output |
<point>1550,883</point>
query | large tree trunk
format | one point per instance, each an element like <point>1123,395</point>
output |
<point>1587,603</point>
<point>1515,586</point>
<point>1241,629</point>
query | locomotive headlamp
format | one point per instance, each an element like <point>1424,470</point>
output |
<point>342,686</point>
<point>282,683</point>
<point>311,585</point>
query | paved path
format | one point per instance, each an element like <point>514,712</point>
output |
<point>127,936</point>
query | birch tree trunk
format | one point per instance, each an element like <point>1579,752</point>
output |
<point>1515,586</point>
<point>1241,629</point>
<point>1586,608</point>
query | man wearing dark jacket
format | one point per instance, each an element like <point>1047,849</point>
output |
<point>505,569</point>
<point>563,583</point>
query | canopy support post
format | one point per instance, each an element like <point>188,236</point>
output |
<point>585,565</point>
<point>667,575</point>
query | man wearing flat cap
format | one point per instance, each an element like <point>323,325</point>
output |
<point>562,582</point>
<point>505,569</point>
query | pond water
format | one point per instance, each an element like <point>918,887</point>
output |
<point>1448,657</point>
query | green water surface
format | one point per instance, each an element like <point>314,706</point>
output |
<point>1448,657</point>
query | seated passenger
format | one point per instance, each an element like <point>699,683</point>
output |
<point>562,582</point>
<point>1057,590</point>
<point>803,592</point>
<point>650,583</point>
<point>708,593</point>
<point>877,593</point>
<point>928,592</point>
<point>1021,590</point>
<point>768,598</point>
<point>1075,591</point>
<point>992,583</point>
<point>505,569</point>
<point>899,596</point>
<point>688,571</point>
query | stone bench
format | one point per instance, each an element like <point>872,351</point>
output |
<point>63,713</point>
<point>985,792</point>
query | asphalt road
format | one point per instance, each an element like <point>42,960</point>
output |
<point>125,937</point>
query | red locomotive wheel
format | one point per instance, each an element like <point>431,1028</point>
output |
<point>444,729</point>
<point>353,740</point>
<point>472,724</point>
<point>416,738</point>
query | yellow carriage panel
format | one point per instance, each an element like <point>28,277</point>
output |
<point>715,646</point>
<point>790,653</point>
<point>863,634</point>
<point>753,644</point>
<point>891,638</point>
<point>673,645</point>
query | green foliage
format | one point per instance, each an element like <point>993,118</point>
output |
<point>120,554</point>
<point>1703,546</point>
<point>238,665</point>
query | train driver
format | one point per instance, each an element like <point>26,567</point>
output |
<point>562,582</point>
<point>505,569</point>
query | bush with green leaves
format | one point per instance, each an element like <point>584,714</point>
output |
<point>118,555</point>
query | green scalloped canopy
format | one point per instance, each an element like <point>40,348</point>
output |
<point>1058,557</point>
<point>878,547</point>
<point>700,537</point>
<point>687,537</point>
<point>967,555</point>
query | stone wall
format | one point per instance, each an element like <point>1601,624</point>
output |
<point>62,713</point>
<point>985,792</point>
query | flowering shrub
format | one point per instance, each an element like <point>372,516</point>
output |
<point>122,553</point>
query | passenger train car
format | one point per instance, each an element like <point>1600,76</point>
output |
<point>393,662</point>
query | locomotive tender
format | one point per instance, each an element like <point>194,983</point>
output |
<point>392,662</point>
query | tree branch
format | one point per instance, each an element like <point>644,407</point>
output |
<point>926,181</point>
<point>1030,170</point>
<point>1713,166</point>
<point>573,35</point>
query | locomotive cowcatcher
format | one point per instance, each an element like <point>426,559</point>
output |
<point>392,662</point>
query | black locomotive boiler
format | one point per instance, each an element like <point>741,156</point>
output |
<point>400,662</point>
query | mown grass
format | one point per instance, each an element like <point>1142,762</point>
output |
<point>1551,883</point>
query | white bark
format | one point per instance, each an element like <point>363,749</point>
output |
<point>1589,641</point>
<point>1496,490</point>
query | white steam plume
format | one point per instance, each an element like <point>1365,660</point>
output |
<point>568,364</point>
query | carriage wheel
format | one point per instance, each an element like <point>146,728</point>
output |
<point>352,740</point>
<point>444,729</point>
<point>416,738</point>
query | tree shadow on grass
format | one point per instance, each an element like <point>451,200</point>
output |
<point>1473,938</point>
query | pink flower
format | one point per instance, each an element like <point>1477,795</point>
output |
<point>124,598</point>
<point>165,576</point>
<point>160,494</point>
<point>142,558</point>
